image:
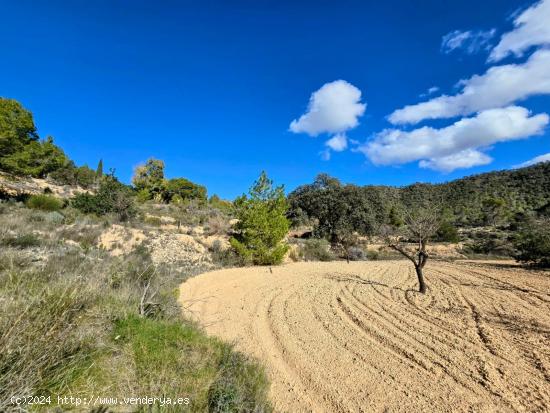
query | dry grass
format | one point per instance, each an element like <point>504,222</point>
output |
<point>75,320</point>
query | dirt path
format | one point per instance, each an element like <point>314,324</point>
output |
<point>355,337</point>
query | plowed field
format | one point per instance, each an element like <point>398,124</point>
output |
<point>357,337</point>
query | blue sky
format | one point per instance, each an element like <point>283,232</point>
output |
<point>212,87</point>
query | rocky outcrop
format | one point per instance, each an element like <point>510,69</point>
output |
<point>20,187</point>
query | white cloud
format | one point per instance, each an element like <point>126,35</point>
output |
<point>454,146</point>
<point>498,87</point>
<point>532,28</point>
<point>467,158</point>
<point>334,108</point>
<point>338,142</point>
<point>470,41</point>
<point>430,91</point>
<point>535,160</point>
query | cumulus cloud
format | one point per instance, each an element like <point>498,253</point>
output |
<point>532,28</point>
<point>334,108</point>
<point>498,87</point>
<point>467,158</point>
<point>535,160</point>
<point>470,41</point>
<point>457,145</point>
<point>338,142</point>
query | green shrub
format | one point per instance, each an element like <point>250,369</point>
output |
<point>143,195</point>
<point>184,189</point>
<point>21,241</point>
<point>44,202</point>
<point>241,386</point>
<point>224,257</point>
<point>533,244</point>
<point>70,174</point>
<point>111,197</point>
<point>317,249</point>
<point>447,232</point>
<point>262,224</point>
<point>488,243</point>
<point>372,255</point>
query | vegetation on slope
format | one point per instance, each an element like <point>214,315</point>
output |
<point>79,321</point>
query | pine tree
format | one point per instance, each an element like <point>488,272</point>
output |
<point>262,224</point>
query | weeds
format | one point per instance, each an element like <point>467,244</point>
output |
<point>21,241</point>
<point>71,324</point>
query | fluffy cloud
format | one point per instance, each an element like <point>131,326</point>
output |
<point>338,142</point>
<point>532,28</point>
<point>470,41</point>
<point>498,87</point>
<point>467,158</point>
<point>535,160</point>
<point>334,108</point>
<point>455,146</point>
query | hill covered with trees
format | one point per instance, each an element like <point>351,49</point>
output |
<point>487,199</point>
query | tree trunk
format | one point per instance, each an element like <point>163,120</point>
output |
<point>421,283</point>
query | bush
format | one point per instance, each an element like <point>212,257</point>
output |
<point>44,202</point>
<point>240,387</point>
<point>490,244</point>
<point>447,232</point>
<point>372,255</point>
<point>70,174</point>
<point>183,189</point>
<point>111,197</point>
<point>357,254</point>
<point>54,217</point>
<point>262,224</point>
<point>224,257</point>
<point>143,195</point>
<point>316,249</point>
<point>21,241</point>
<point>533,244</point>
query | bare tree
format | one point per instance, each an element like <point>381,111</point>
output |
<point>411,239</point>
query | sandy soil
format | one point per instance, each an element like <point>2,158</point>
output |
<point>356,337</point>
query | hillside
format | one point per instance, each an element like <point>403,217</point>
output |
<point>524,189</point>
<point>466,202</point>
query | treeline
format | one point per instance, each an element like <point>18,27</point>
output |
<point>512,209</point>
<point>493,199</point>
<point>23,153</point>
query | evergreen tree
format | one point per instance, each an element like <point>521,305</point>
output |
<point>99,170</point>
<point>262,224</point>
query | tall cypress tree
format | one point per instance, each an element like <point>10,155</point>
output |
<point>99,170</point>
